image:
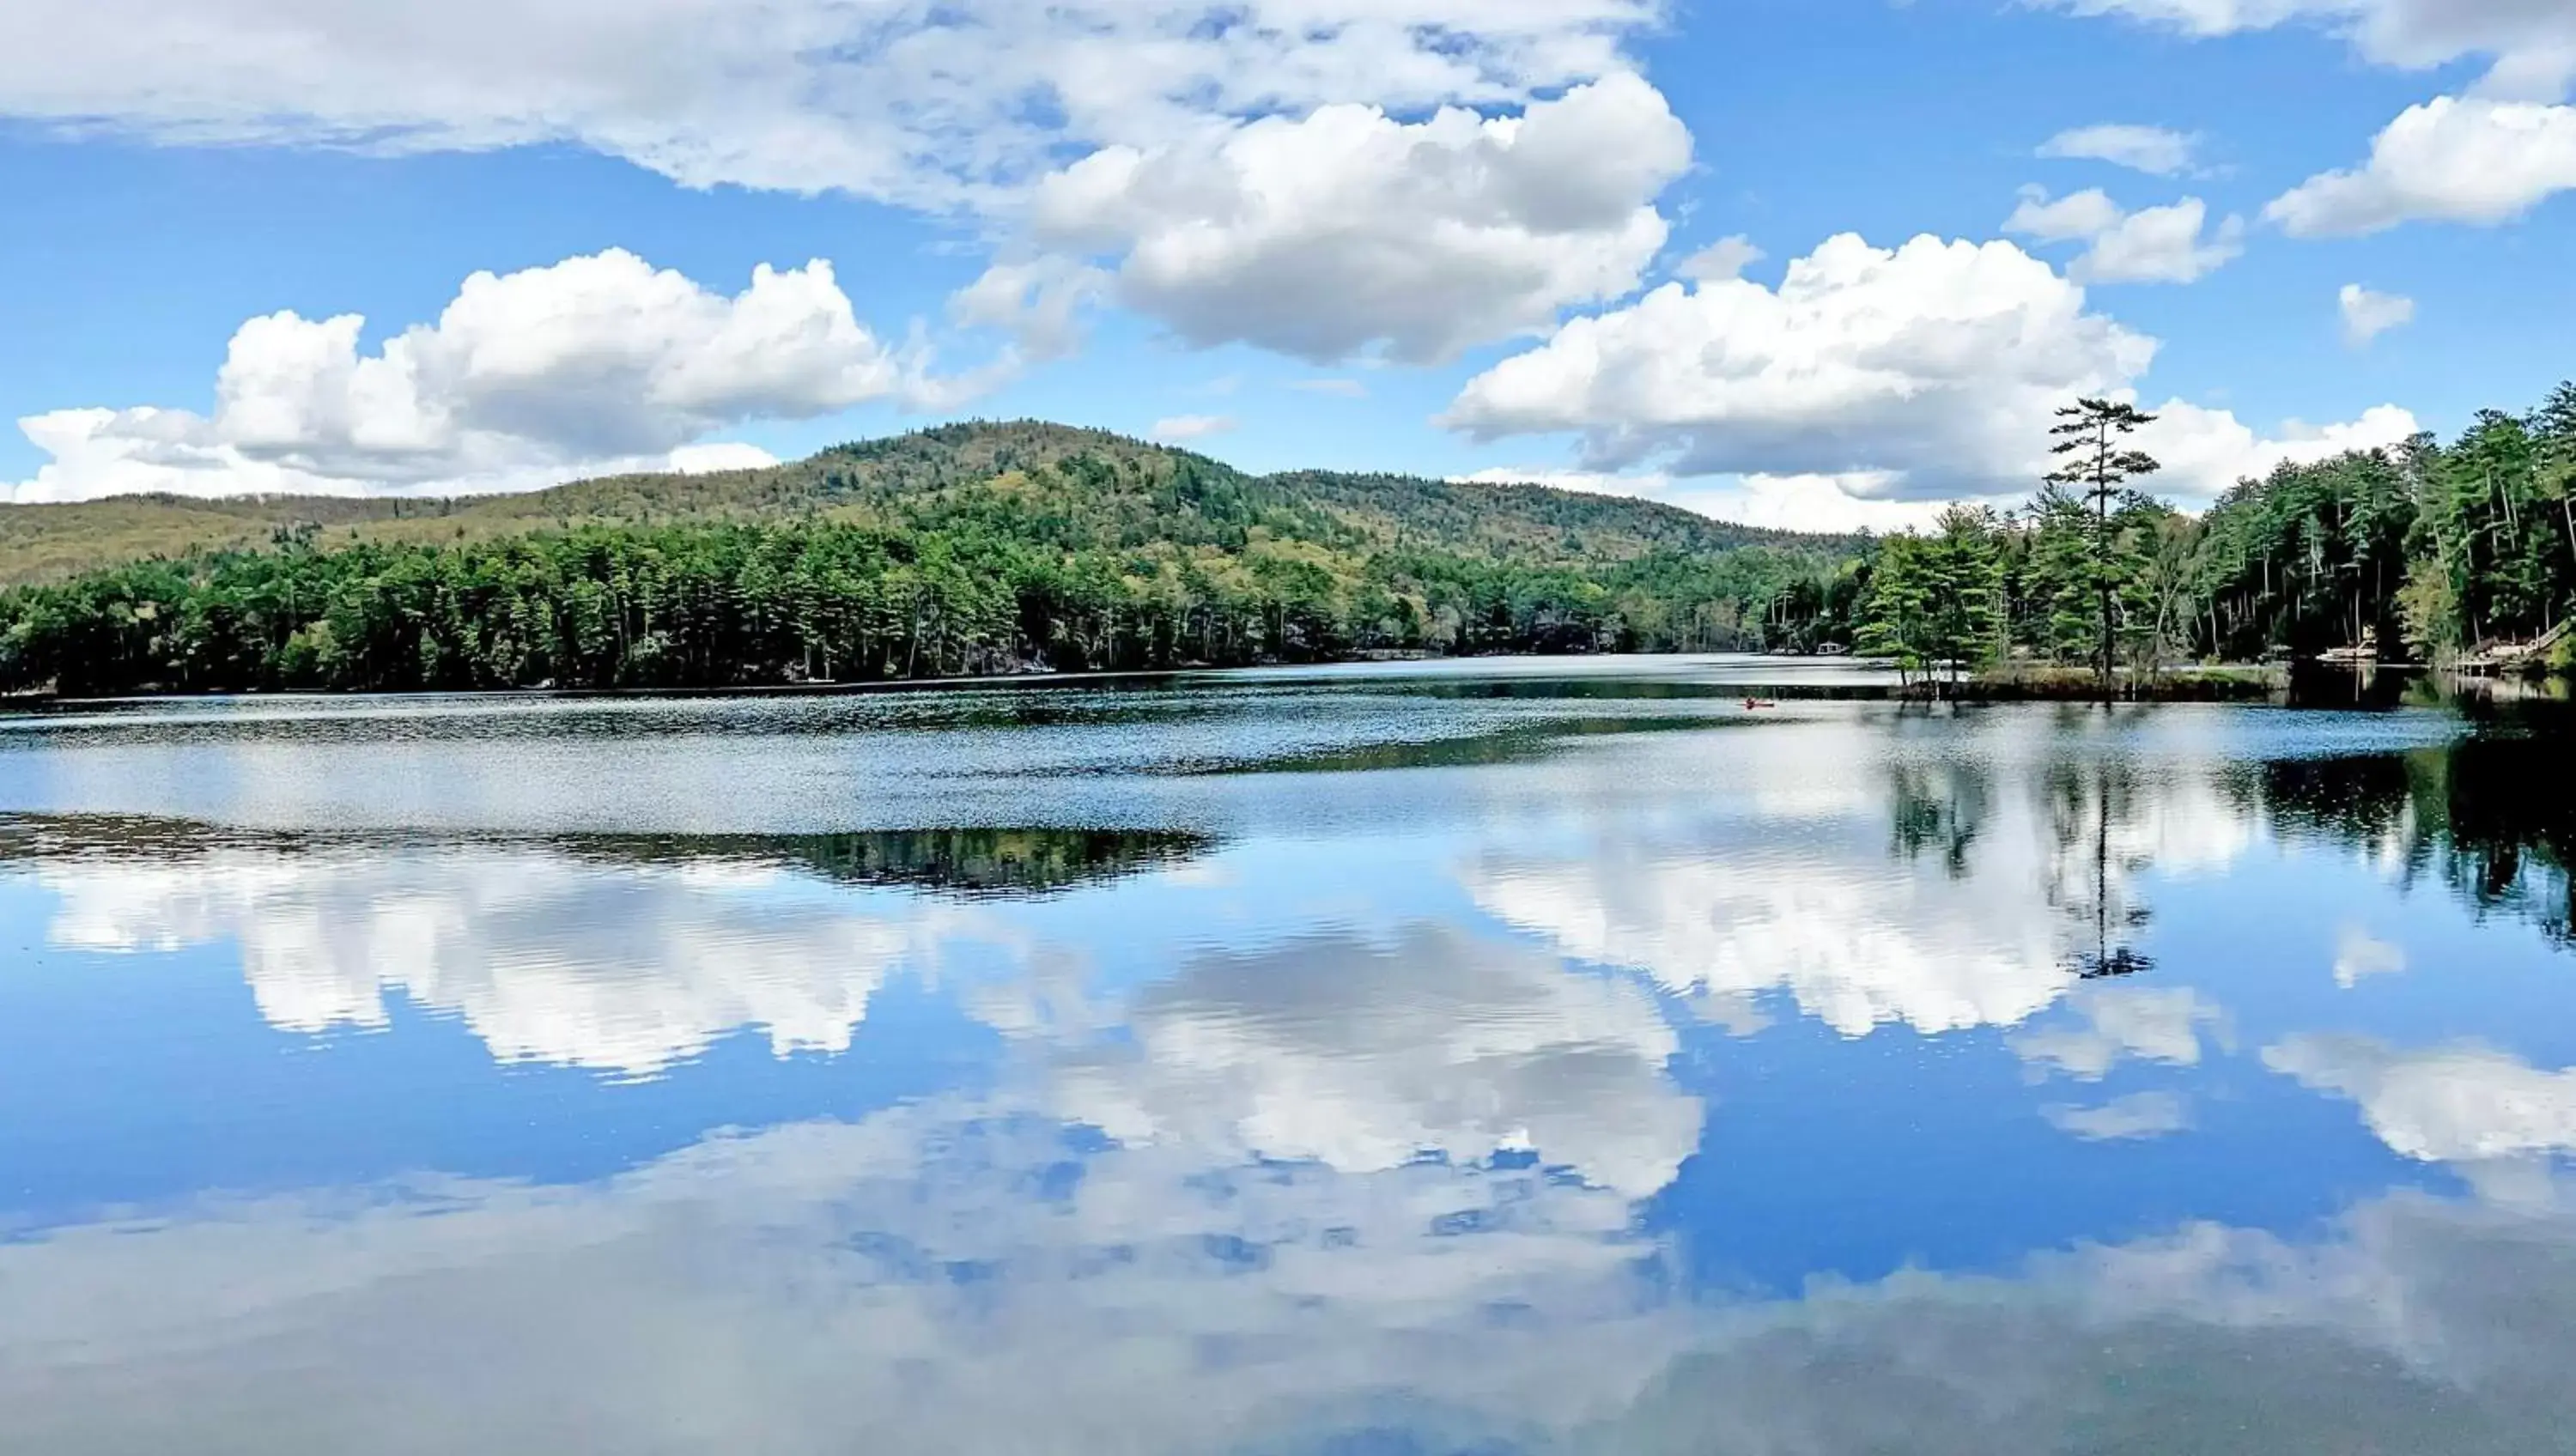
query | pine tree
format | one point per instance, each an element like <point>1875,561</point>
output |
<point>2089,435</point>
<point>1936,602</point>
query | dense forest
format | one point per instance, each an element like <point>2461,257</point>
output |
<point>964,550</point>
<point>992,548</point>
<point>2431,551</point>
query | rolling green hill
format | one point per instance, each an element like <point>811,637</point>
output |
<point>967,548</point>
<point>918,478</point>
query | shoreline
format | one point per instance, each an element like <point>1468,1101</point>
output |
<point>1034,680</point>
<point>2233,682</point>
<point>2226,682</point>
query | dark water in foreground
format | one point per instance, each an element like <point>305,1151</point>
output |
<point>1521,1057</point>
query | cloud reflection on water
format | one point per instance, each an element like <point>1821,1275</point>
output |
<point>1380,1172</point>
<point>626,956</point>
<point>1364,1056</point>
<point>1992,891</point>
<point>1359,1052</point>
<point>2460,1103</point>
<point>893,1286</point>
<point>546,959</point>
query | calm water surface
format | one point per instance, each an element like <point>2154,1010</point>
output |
<point>1499,1058</point>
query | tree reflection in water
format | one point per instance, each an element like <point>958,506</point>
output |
<point>2491,818</point>
<point>2087,884</point>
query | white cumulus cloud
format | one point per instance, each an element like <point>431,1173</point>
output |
<point>2173,244</point>
<point>2204,451</point>
<point>2531,44</point>
<point>1237,165</point>
<point>719,456</point>
<point>2452,159</point>
<point>1923,372</point>
<point>590,365</point>
<point>2155,150</point>
<point>2485,158</point>
<point>1818,503</point>
<point>1812,503</point>
<point>1719,261</point>
<point>2076,217</point>
<point>2367,315</point>
<point>1931,359</point>
<point>935,103</point>
<point>1192,427</point>
<point>1347,228</point>
<point>1037,301</point>
<point>2170,244</point>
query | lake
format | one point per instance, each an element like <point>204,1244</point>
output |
<point>1494,1057</point>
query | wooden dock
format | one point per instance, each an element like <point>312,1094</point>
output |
<point>2500,657</point>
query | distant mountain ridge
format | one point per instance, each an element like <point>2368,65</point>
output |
<point>1134,491</point>
<point>966,550</point>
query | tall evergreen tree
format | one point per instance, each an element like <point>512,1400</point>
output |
<point>1935,603</point>
<point>2090,436</point>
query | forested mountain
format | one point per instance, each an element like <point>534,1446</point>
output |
<point>913,479</point>
<point>965,549</point>
<point>987,548</point>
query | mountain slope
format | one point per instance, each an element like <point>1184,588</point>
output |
<point>964,550</point>
<point>1127,491</point>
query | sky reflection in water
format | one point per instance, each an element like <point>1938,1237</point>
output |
<point>1551,1058</point>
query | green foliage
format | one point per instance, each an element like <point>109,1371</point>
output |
<point>2428,609</point>
<point>984,548</point>
<point>2510,551</point>
<point>2311,558</point>
<point>2442,547</point>
<point>2058,614</point>
<point>2439,549</point>
<point>2157,611</point>
<point>1075,486</point>
<point>967,550</point>
<point>2097,556</point>
<point>1936,603</point>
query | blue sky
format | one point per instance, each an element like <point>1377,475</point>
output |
<point>1445,236</point>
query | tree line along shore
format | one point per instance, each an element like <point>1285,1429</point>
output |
<point>2446,554</point>
<point>963,551</point>
<point>1015,548</point>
